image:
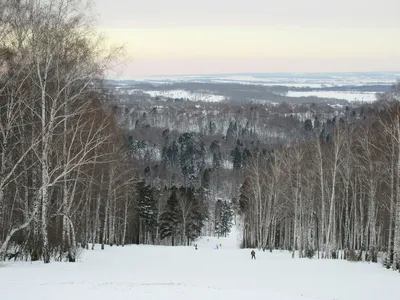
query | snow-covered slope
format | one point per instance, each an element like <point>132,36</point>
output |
<point>349,96</point>
<point>157,272</point>
<point>186,95</point>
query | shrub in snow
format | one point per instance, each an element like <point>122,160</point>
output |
<point>352,255</point>
<point>388,261</point>
<point>309,253</point>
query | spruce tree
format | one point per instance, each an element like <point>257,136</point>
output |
<point>236,155</point>
<point>169,220</point>
<point>308,126</point>
<point>147,210</point>
<point>192,160</point>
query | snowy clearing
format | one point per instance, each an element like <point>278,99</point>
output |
<point>191,96</point>
<point>158,272</point>
<point>349,96</point>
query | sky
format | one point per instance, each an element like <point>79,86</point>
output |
<point>230,36</point>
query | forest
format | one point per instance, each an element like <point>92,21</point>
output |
<point>83,163</point>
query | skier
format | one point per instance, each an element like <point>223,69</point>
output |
<point>195,246</point>
<point>253,254</point>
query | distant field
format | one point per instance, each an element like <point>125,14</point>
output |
<point>333,88</point>
<point>348,95</point>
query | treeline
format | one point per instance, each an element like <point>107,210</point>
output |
<point>266,122</point>
<point>336,192</point>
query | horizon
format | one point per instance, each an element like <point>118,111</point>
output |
<point>396,74</point>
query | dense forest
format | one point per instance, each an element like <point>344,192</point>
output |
<point>337,189</point>
<point>83,163</point>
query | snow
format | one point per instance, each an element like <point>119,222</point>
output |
<point>159,272</point>
<point>183,94</point>
<point>349,96</point>
<point>227,164</point>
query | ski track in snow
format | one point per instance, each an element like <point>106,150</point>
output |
<point>158,272</point>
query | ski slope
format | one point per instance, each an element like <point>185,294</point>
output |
<point>158,272</point>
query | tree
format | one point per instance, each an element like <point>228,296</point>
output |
<point>192,153</point>
<point>236,155</point>
<point>224,219</point>
<point>308,126</point>
<point>169,220</point>
<point>51,70</point>
<point>147,211</point>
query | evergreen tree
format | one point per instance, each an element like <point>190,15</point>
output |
<point>169,220</point>
<point>231,130</point>
<point>165,148</point>
<point>217,217</point>
<point>147,210</point>
<point>223,217</point>
<point>212,128</point>
<point>196,214</point>
<point>244,196</point>
<point>308,126</point>
<point>236,155</point>
<point>192,152</point>
<point>317,123</point>
<point>226,218</point>
<point>173,153</point>
<point>246,156</point>
<point>216,152</point>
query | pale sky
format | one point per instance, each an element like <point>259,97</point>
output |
<point>232,36</point>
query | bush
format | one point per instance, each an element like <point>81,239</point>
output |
<point>388,260</point>
<point>309,253</point>
<point>352,255</point>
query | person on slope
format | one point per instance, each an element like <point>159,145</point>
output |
<point>253,254</point>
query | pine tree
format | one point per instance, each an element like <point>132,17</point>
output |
<point>231,130</point>
<point>223,218</point>
<point>196,214</point>
<point>164,151</point>
<point>147,210</point>
<point>192,160</point>
<point>169,220</point>
<point>226,218</point>
<point>246,156</point>
<point>173,153</point>
<point>236,155</point>
<point>217,217</point>
<point>216,153</point>
<point>317,123</point>
<point>308,126</point>
<point>212,128</point>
